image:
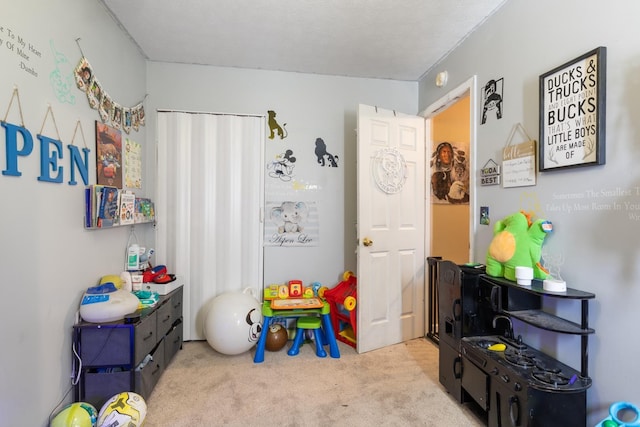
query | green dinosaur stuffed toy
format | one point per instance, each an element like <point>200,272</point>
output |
<point>517,242</point>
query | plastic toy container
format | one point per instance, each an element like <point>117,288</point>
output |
<point>628,411</point>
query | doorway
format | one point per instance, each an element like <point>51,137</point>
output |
<point>451,227</point>
<point>452,209</point>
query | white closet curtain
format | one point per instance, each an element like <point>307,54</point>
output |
<point>208,202</point>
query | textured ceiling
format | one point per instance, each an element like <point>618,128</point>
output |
<point>388,39</point>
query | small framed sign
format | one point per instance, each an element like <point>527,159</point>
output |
<point>572,113</point>
<point>490,173</point>
<point>519,160</point>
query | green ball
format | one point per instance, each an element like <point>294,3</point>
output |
<point>609,423</point>
<point>78,414</point>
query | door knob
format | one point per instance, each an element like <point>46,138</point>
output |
<point>367,241</point>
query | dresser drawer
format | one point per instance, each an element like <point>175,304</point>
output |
<point>148,376</point>
<point>100,385</point>
<point>173,342</point>
<point>146,337</point>
<point>176,304</point>
<point>165,320</point>
<point>105,345</point>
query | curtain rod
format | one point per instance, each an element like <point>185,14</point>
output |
<point>160,110</point>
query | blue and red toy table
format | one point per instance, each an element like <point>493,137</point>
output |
<point>269,314</point>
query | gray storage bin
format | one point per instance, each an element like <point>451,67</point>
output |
<point>147,377</point>
<point>100,386</point>
<point>173,342</point>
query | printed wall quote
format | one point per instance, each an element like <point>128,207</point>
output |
<point>572,113</point>
<point>25,53</point>
<point>625,201</point>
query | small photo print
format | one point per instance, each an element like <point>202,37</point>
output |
<point>106,108</point>
<point>137,116</point>
<point>94,94</point>
<point>126,122</point>
<point>83,74</point>
<point>484,215</point>
<point>116,118</point>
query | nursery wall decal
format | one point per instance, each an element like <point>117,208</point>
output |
<point>324,157</point>
<point>282,166</point>
<point>61,78</point>
<point>274,127</point>
<point>492,99</point>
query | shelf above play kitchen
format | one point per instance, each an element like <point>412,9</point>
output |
<point>107,207</point>
<point>537,317</point>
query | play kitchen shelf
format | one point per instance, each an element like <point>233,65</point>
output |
<point>539,318</point>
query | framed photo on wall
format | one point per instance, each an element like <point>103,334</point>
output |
<point>450,173</point>
<point>572,113</point>
<point>108,155</point>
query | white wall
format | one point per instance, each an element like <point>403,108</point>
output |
<point>312,106</point>
<point>600,247</point>
<point>47,259</point>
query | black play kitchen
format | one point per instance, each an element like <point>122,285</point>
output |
<point>485,364</point>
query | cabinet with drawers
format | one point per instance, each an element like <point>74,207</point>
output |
<point>119,356</point>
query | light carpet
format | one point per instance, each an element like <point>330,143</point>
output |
<point>393,386</point>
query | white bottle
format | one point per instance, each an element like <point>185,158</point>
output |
<point>136,281</point>
<point>126,281</point>
<point>133,257</point>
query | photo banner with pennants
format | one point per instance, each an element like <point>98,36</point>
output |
<point>110,111</point>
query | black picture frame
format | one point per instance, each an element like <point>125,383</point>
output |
<point>573,113</point>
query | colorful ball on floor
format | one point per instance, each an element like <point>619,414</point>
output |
<point>277,337</point>
<point>78,414</point>
<point>233,323</point>
<point>123,409</point>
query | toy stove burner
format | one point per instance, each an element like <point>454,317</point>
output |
<point>540,366</point>
<point>520,358</point>
<point>554,378</point>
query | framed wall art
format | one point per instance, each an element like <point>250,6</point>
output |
<point>572,113</point>
<point>108,155</point>
<point>519,160</point>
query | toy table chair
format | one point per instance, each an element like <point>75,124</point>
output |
<point>308,323</point>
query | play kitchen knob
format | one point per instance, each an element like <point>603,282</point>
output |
<point>367,241</point>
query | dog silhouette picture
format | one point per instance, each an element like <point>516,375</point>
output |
<point>274,127</point>
<point>324,157</point>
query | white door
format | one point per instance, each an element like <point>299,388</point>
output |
<point>391,227</point>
